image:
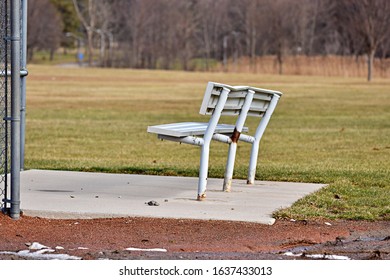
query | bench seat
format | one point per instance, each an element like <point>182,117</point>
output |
<point>183,129</point>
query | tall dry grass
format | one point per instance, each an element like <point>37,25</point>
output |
<point>342,66</point>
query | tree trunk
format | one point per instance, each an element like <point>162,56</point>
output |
<point>253,50</point>
<point>52,51</point>
<point>30,54</point>
<point>370,64</point>
<point>90,46</point>
<point>280,63</point>
<point>279,58</point>
<point>225,46</point>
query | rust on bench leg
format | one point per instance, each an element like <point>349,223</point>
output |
<point>227,183</point>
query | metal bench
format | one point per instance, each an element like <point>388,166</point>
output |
<point>220,99</point>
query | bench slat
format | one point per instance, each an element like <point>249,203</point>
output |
<point>235,100</point>
<point>189,128</point>
<point>237,108</point>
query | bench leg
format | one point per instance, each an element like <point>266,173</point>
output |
<point>258,135</point>
<point>253,163</point>
<point>227,182</point>
<point>203,171</point>
<point>204,156</point>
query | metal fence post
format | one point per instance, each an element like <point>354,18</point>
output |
<point>15,109</point>
<point>23,68</point>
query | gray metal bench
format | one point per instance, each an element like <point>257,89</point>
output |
<point>220,99</point>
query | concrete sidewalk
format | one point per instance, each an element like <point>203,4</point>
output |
<point>64,194</point>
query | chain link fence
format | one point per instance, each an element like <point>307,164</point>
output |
<point>4,100</point>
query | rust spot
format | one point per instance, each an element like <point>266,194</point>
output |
<point>201,197</point>
<point>235,136</point>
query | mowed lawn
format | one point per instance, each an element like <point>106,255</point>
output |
<point>324,130</point>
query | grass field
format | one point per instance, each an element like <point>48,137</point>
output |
<point>324,130</point>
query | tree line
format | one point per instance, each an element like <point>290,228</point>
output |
<point>197,34</point>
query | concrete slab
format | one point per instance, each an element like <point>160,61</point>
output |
<point>64,194</point>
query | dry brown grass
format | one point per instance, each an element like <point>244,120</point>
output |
<point>342,66</point>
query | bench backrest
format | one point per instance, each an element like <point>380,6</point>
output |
<point>236,98</point>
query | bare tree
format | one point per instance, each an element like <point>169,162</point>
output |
<point>209,25</point>
<point>185,28</point>
<point>280,26</point>
<point>369,21</point>
<point>250,16</point>
<point>97,17</point>
<point>44,27</point>
<point>87,15</point>
<point>219,26</point>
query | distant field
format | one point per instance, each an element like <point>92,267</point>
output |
<point>324,130</point>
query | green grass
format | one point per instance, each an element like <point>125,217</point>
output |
<point>324,130</point>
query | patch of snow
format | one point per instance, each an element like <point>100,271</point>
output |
<point>147,250</point>
<point>41,252</point>
<point>329,257</point>
<point>36,246</point>
<point>40,255</point>
<point>318,256</point>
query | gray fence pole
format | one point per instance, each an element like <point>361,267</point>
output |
<point>23,67</point>
<point>15,109</point>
